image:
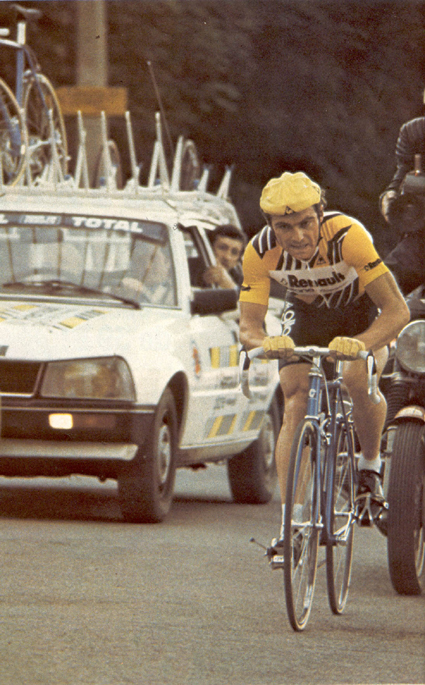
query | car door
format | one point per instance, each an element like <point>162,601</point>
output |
<point>214,393</point>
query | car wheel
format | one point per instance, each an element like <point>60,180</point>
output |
<point>252,474</point>
<point>145,487</point>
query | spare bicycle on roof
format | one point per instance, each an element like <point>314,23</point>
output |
<point>32,130</point>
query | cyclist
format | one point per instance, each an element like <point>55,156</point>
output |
<point>336,284</point>
<point>228,243</point>
<point>402,205</point>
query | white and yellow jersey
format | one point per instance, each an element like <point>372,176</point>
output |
<point>343,264</point>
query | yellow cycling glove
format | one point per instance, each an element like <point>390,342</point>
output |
<point>346,348</point>
<point>278,347</point>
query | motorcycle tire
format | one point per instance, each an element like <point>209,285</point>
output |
<point>406,513</point>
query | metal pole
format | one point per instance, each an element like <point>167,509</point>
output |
<point>92,67</point>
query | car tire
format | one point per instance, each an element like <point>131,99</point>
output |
<point>145,487</point>
<point>252,473</point>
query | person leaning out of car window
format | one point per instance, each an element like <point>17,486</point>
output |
<point>228,244</point>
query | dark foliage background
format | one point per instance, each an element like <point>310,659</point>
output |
<point>267,85</point>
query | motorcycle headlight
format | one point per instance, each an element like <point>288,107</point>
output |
<point>108,378</point>
<point>410,349</point>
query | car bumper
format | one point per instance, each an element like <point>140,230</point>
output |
<point>101,441</point>
<point>58,449</point>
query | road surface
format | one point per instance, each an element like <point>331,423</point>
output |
<point>89,600</point>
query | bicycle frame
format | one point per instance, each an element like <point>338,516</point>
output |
<point>327,434</point>
<point>23,57</point>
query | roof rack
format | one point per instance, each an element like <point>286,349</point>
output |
<point>186,174</point>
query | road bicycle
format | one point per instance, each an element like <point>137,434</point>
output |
<point>320,507</point>
<point>32,129</point>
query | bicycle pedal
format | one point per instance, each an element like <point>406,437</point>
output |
<point>364,516</point>
<point>365,521</point>
<point>276,562</point>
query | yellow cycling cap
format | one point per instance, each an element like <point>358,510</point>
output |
<point>289,193</point>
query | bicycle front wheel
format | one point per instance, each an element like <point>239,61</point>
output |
<point>340,490</point>
<point>12,137</point>
<point>39,99</point>
<point>301,533</point>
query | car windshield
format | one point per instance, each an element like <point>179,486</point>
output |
<point>89,255</point>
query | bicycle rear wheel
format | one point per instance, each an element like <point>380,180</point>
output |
<point>340,486</point>
<point>39,98</point>
<point>12,137</point>
<point>301,533</point>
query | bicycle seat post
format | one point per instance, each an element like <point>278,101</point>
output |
<point>21,37</point>
<point>23,14</point>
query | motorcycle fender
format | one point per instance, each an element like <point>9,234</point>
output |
<point>411,412</point>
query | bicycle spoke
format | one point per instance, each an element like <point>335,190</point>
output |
<point>12,137</point>
<point>40,98</point>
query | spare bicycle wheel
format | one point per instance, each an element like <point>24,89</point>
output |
<point>191,166</point>
<point>12,137</point>
<point>39,99</point>
<point>115,171</point>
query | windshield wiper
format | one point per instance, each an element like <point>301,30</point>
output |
<point>57,283</point>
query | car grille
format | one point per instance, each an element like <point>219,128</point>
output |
<point>18,378</point>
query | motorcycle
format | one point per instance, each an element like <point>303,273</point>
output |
<point>403,384</point>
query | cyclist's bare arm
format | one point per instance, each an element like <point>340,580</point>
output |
<point>251,326</point>
<point>394,313</point>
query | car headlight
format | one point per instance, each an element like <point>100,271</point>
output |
<point>108,378</point>
<point>410,349</point>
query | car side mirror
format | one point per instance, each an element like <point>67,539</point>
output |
<point>214,300</point>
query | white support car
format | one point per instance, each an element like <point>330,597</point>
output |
<point>113,362</point>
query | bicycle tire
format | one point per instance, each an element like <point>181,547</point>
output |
<point>340,486</point>
<point>38,126</point>
<point>13,138</point>
<point>406,509</point>
<point>301,533</point>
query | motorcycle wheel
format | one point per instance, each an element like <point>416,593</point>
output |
<point>406,513</point>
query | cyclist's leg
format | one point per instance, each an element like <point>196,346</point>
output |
<point>294,383</point>
<point>369,418</point>
<point>307,325</point>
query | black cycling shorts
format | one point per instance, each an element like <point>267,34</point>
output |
<point>310,325</point>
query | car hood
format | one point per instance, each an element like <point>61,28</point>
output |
<point>48,330</point>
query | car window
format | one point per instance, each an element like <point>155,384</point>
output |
<point>123,257</point>
<point>196,258</point>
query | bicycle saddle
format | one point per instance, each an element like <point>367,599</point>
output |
<point>27,12</point>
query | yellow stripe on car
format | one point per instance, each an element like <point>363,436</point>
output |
<point>221,425</point>
<point>72,322</point>
<point>227,355</point>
